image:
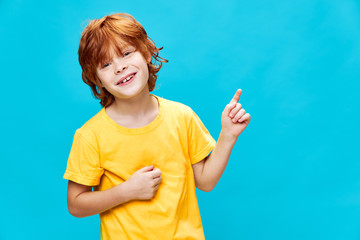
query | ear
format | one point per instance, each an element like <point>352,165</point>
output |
<point>148,58</point>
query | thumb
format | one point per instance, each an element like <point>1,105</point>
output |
<point>147,168</point>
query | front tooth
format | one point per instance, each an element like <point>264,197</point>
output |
<point>127,79</point>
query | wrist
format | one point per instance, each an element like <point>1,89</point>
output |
<point>124,193</point>
<point>228,137</point>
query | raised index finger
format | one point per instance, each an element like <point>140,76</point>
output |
<point>236,97</point>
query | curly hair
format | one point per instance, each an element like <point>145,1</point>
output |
<point>114,32</point>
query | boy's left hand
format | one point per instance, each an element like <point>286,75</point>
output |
<point>234,119</point>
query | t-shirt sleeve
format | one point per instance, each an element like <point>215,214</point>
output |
<point>83,164</point>
<point>201,143</point>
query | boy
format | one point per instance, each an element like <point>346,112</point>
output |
<point>141,154</point>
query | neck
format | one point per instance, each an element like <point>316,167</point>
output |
<point>137,106</point>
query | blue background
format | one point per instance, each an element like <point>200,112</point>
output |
<point>294,172</point>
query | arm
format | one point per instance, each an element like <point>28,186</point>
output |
<point>234,120</point>
<point>142,185</point>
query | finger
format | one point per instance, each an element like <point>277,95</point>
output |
<point>245,118</point>
<point>155,183</point>
<point>228,108</point>
<point>155,173</point>
<point>156,187</point>
<point>146,169</point>
<point>236,97</point>
<point>235,110</point>
<point>158,180</point>
<point>239,115</point>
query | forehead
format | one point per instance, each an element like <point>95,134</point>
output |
<point>120,49</point>
<point>111,48</point>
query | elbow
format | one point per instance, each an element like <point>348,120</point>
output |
<point>206,187</point>
<point>74,211</point>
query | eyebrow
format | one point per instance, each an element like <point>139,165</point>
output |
<point>129,47</point>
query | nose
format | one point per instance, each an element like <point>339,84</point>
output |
<point>120,67</point>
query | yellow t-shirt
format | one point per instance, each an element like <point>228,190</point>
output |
<point>105,154</point>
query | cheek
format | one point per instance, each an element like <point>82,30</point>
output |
<point>104,76</point>
<point>146,70</point>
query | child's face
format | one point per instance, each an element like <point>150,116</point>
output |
<point>125,76</point>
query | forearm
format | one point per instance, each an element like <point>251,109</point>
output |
<point>94,202</point>
<point>215,164</point>
<point>142,185</point>
<point>234,120</point>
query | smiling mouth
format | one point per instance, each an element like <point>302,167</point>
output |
<point>126,79</point>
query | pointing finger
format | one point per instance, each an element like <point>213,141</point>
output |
<point>236,97</point>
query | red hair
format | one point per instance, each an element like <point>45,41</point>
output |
<point>114,32</point>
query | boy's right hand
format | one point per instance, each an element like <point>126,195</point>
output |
<point>144,183</point>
